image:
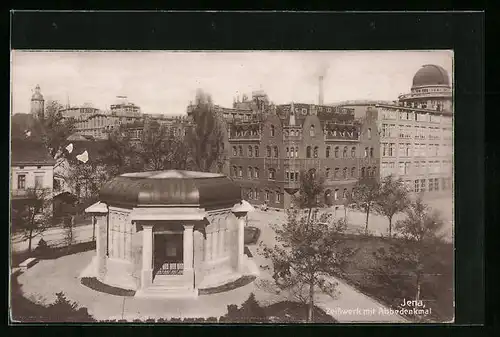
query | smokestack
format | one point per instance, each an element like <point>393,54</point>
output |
<point>320,96</point>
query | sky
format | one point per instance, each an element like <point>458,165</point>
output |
<point>164,82</point>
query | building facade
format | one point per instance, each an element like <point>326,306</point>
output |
<point>267,146</point>
<point>416,134</point>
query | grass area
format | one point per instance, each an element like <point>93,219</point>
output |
<point>242,281</point>
<point>94,284</point>
<point>294,312</point>
<point>364,271</point>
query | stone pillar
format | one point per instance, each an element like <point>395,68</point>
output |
<point>101,239</point>
<point>188,254</point>
<point>222,242</point>
<point>208,247</point>
<point>147,256</point>
<point>241,241</point>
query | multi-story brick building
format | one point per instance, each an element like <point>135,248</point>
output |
<point>267,146</point>
<point>416,139</point>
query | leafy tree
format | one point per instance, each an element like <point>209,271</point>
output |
<point>364,196</point>
<point>64,310</point>
<point>120,155</point>
<point>34,216</point>
<point>393,198</point>
<point>413,254</point>
<point>307,253</point>
<point>206,137</point>
<point>250,311</point>
<point>309,196</point>
<point>54,128</point>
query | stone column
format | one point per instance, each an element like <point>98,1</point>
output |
<point>188,254</point>
<point>101,238</point>
<point>147,256</point>
<point>208,247</point>
<point>241,240</point>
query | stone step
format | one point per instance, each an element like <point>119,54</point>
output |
<point>161,292</point>
<point>169,281</point>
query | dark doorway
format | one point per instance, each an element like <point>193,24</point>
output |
<point>168,254</point>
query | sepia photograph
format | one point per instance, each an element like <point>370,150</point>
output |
<point>232,186</point>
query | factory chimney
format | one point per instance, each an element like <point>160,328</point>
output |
<point>320,96</point>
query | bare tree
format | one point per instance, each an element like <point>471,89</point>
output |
<point>393,198</point>
<point>34,216</point>
<point>364,195</point>
<point>206,137</point>
<point>307,254</point>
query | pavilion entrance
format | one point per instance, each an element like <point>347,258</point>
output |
<point>168,254</point>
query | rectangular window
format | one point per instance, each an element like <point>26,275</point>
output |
<point>422,185</point>
<point>417,185</point>
<point>401,168</point>
<point>38,181</point>
<point>21,182</point>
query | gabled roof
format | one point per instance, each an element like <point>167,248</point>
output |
<point>29,152</point>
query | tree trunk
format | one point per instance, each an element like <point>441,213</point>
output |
<point>30,238</point>
<point>417,295</point>
<point>366,224</point>
<point>390,227</point>
<point>345,213</point>
<point>311,303</point>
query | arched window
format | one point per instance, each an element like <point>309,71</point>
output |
<point>344,194</point>
<point>327,154</point>
<point>250,151</point>
<point>272,174</point>
<point>327,172</point>
<point>308,152</point>
<point>235,151</point>
<point>336,194</point>
<point>250,172</point>
<point>312,172</point>
<point>278,197</point>
<point>311,131</point>
<point>371,152</point>
<point>257,195</point>
<point>369,133</point>
<point>353,152</point>
<point>256,151</point>
<point>368,171</point>
<point>344,173</point>
<point>272,130</point>
<point>287,175</point>
<point>276,152</point>
<point>315,152</point>
<point>256,173</point>
<point>296,152</point>
<point>374,171</point>
<point>336,174</point>
<point>366,152</point>
<point>268,150</point>
<point>336,151</point>
<point>328,197</point>
<point>287,152</point>
<point>240,172</point>
<point>362,172</point>
<point>344,153</point>
<point>240,151</point>
<point>353,172</point>
<point>234,170</point>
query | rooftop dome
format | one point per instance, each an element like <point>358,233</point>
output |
<point>171,188</point>
<point>430,74</point>
<point>37,96</point>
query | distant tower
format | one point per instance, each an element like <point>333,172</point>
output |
<point>320,96</point>
<point>37,103</point>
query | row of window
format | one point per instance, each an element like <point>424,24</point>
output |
<point>431,185</point>
<point>21,181</point>
<point>312,132</point>
<point>417,132</point>
<point>418,167</point>
<point>418,150</point>
<point>368,152</point>
<point>392,114</point>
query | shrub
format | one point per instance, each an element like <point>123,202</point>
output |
<point>175,320</point>
<point>250,311</point>
<point>150,320</point>
<point>211,319</point>
<point>42,246</point>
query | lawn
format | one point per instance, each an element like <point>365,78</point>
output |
<point>363,271</point>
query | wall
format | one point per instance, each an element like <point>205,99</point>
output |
<point>31,172</point>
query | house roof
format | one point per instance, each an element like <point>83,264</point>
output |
<point>26,152</point>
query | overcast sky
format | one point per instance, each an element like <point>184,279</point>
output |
<point>165,82</point>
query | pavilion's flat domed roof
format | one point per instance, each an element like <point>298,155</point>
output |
<point>171,188</point>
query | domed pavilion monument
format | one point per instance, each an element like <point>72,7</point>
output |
<point>169,233</point>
